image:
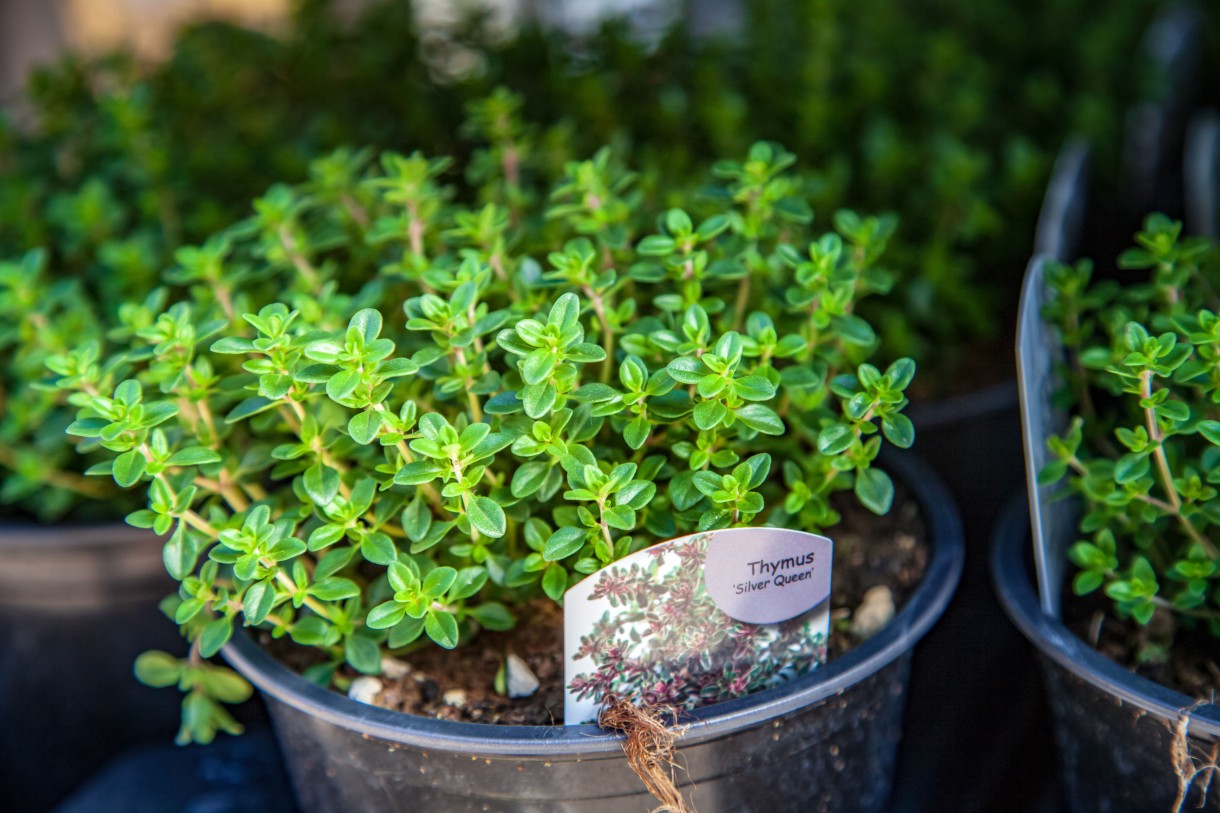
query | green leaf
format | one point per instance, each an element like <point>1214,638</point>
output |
<point>378,548</point>
<point>416,519</point>
<point>835,439</point>
<point>342,384</point>
<point>257,601</point>
<point>656,245</point>
<point>417,473</point>
<point>469,581</point>
<point>875,490</point>
<point>362,654</point>
<point>754,388</point>
<point>194,456</point>
<point>1211,431</point>
<point>129,467</point>
<point>405,632</point>
<point>334,588</point>
<point>325,535</point>
<point>215,635</point>
<point>636,433</point>
<point>686,370</point>
<point>708,414</point>
<point>224,685</point>
<point>442,628</point>
<point>555,582</point>
<point>529,478</point>
<point>157,669</point>
<point>321,483</point>
<point>621,517</point>
<point>493,616</point>
<point>1131,467</point>
<point>899,430</point>
<point>538,399</point>
<point>486,517</point>
<point>760,418</point>
<point>563,543</point>
<point>364,426</point>
<point>538,366</point>
<point>439,581</point>
<point>385,615</point>
<point>366,324</point>
<point>249,408</point>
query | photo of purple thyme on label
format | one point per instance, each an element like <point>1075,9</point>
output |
<point>697,620</point>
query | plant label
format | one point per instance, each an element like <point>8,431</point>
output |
<point>698,620</point>
<point>1038,351</point>
<point>1038,348</point>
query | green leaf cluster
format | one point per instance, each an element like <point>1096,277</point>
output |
<point>378,429</point>
<point>122,163</point>
<point>1143,448</point>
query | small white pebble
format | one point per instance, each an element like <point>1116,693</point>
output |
<point>394,668</point>
<point>874,612</point>
<point>520,679</point>
<point>364,689</point>
<point>455,698</point>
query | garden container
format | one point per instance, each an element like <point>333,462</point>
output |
<point>77,605</point>
<point>825,742</point>
<point>1120,735</point>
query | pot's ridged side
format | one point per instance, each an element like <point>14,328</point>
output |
<point>836,756</point>
<point>1115,730</point>
<point>1116,757</point>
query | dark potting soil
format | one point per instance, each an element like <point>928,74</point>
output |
<point>1191,665</point>
<point>459,685</point>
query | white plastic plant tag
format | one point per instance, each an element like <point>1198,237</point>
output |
<point>698,620</point>
<point>1038,348</point>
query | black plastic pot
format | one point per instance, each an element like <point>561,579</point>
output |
<point>1115,729</point>
<point>77,605</point>
<point>826,742</point>
<point>973,442</point>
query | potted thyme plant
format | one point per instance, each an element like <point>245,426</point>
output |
<point>389,422</point>
<point>1132,666</point>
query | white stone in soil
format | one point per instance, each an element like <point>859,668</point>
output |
<point>520,679</point>
<point>393,668</point>
<point>364,689</point>
<point>874,612</point>
<point>455,698</point>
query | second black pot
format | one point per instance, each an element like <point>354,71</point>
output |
<point>826,742</point>
<point>77,605</point>
<point>1119,734</point>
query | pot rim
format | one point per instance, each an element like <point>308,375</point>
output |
<point>921,611</point>
<point>1058,643</point>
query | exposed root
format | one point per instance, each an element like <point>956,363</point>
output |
<point>649,746</point>
<point>1192,762</point>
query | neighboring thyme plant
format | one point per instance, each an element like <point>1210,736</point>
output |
<point>1143,446</point>
<point>383,417</point>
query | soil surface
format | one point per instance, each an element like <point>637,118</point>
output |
<point>460,684</point>
<point>1191,665</point>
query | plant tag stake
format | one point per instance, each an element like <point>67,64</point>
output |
<point>1038,349</point>
<point>698,620</point>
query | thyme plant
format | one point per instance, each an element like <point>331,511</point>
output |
<point>385,417</point>
<point>1143,447</point>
